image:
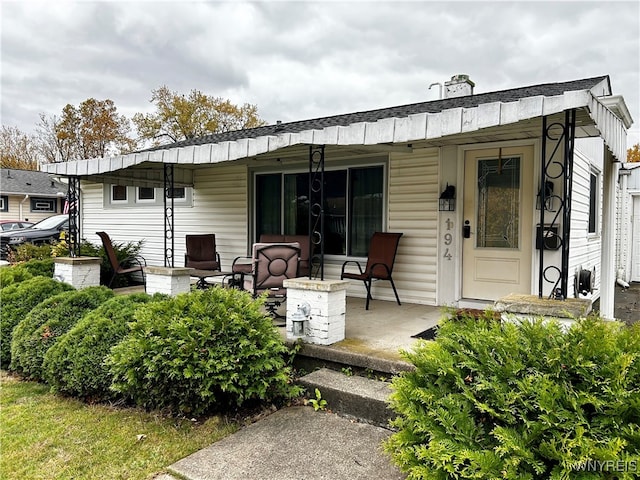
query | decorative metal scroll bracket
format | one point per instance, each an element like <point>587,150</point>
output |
<point>168,216</point>
<point>73,206</point>
<point>316,209</point>
<point>558,139</point>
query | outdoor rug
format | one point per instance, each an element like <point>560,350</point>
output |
<point>428,334</point>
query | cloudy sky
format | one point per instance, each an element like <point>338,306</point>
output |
<point>298,60</point>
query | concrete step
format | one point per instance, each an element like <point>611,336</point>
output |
<point>364,399</point>
<point>311,357</point>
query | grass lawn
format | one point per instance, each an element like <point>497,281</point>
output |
<point>45,436</point>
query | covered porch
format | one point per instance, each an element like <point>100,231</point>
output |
<point>419,149</point>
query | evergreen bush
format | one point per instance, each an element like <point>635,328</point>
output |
<point>17,301</point>
<point>44,267</point>
<point>46,322</point>
<point>202,351</point>
<point>520,401</point>
<point>13,274</point>
<point>75,365</point>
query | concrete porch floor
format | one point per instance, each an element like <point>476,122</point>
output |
<point>386,327</point>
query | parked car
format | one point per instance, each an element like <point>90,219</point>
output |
<point>14,225</point>
<point>45,231</point>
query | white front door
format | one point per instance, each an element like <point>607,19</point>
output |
<point>498,211</point>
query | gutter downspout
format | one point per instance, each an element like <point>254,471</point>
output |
<point>20,215</point>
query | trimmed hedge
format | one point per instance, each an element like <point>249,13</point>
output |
<point>44,267</point>
<point>202,351</point>
<point>11,275</point>
<point>75,365</point>
<point>17,301</point>
<point>520,401</point>
<point>46,322</point>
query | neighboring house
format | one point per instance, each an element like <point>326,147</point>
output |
<point>386,170</point>
<point>30,195</point>
<point>628,238</point>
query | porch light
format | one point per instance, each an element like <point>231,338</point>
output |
<point>298,319</point>
<point>447,201</point>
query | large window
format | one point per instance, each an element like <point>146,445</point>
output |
<point>4,203</point>
<point>594,190</point>
<point>353,207</point>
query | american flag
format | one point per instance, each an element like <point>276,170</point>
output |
<point>68,205</point>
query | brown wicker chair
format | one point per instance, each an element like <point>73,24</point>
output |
<point>201,252</point>
<point>381,258</point>
<point>125,267</point>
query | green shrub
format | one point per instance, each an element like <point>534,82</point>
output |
<point>519,401</point>
<point>44,267</point>
<point>17,301</point>
<point>202,351</point>
<point>46,322</point>
<point>29,251</point>
<point>123,252</point>
<point>13,274</point>
<point>75,365</point>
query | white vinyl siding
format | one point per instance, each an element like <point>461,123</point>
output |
<point>413,210</point>
<point>412,192</point>
<point>219,206</point>
<point>585,247</point>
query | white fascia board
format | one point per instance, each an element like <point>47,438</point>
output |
<point>379,132</point>
<point>186,155</point>
<point>422,126</point>
<point>488,114</point>
<point>451,121</point>
<point>202,153</point>
<point>611,128</point>
<point>353,134</point>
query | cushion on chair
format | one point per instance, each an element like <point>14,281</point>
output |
<point>201,252</point>
<point>303,240</point>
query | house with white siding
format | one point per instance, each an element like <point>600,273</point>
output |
<point>534,172</point>
<point>628,237</point>
<point>29,195</point>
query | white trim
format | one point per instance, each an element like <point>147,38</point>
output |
<point>423,126</point>
<point>145,200</point>
<point>595,171</point>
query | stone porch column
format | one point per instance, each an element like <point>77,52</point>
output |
<point>327,299</point>
<point>79,272</point>
<point>167,280</point>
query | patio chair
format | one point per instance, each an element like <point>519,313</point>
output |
<point>272,263</point>
<point>305,248</point>
<point>242,266</point>
<point>382,256</point>
<point>125,267</point>
<point>201,252</point>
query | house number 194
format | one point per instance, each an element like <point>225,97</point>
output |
<point>448,238</point>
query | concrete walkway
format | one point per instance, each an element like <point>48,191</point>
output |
<point>295,443</point>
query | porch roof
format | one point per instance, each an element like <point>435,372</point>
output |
<point>425,124</point>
